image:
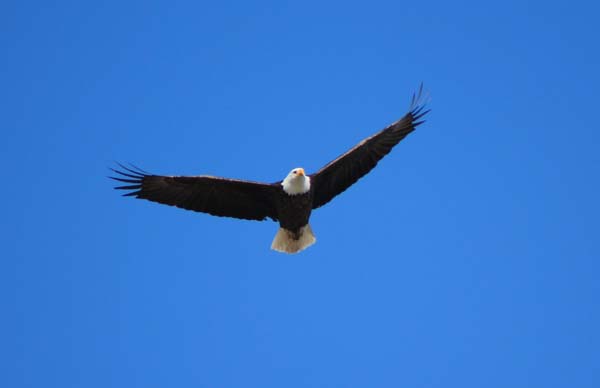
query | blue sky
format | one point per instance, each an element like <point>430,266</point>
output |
<point>468,258</point>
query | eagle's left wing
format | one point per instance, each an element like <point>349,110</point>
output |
<point>344,171</point>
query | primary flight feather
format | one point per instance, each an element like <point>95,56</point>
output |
<point>289,201</point>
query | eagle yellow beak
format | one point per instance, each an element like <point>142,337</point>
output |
<point>301,171</point>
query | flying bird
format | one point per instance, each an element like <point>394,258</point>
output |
<point>290,201</point>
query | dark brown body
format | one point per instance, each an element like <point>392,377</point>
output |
<point>293,211</point>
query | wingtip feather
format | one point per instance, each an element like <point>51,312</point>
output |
<point>419,100</point>
<point>132,174</point>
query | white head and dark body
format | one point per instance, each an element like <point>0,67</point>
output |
<point>290,201</point>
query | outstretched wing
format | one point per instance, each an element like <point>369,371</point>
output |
<point>217,196</point>
<point>344,171</point>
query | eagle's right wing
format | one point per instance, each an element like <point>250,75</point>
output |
<point>208,194</point>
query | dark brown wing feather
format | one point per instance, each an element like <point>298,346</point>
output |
<point>344,171</point>
<point>217,196</point>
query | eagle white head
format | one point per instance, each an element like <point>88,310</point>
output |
<point>296,182</point>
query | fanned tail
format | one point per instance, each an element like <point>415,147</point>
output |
<point>289,242</point>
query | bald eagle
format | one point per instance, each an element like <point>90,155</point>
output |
<point>289,201</point>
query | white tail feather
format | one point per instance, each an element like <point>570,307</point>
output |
<point>284,240</point>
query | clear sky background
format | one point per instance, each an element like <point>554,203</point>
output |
<point>468,258</point>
